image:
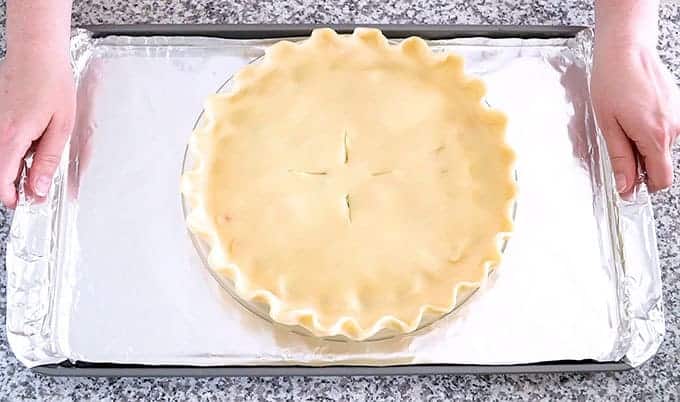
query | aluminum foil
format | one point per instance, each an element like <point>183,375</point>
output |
<point>105,271</point>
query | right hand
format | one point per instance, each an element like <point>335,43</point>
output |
<point>638,107</point>
<point>636,100</point>
<point>37,108</point>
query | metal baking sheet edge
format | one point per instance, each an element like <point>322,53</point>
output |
<point>259,31</point>
<point>123,370</point>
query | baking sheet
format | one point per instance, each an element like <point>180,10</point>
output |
<point>105,272</point>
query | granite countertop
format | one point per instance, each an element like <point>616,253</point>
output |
<point>657,379</point>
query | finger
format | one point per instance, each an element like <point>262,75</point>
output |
<point>47,155</point>
<point>8,174</point>
<point>11,162</point>
<point>659,170</point>
<point>622,156</point>
<point>655,148</point>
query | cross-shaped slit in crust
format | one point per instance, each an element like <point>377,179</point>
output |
<point>345,161</point>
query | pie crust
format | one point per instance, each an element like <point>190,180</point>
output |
<point>351,185</point>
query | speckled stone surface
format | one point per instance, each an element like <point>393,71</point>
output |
<point>658,379</point>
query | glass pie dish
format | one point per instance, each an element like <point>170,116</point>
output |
<point>380,330</point>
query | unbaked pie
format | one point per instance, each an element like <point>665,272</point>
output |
<point>351,185</point>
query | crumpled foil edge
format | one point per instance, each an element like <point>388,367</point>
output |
<point>33,252</point>
<point>635,252</point>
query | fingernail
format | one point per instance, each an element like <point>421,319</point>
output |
<point>42,186</point>
<point>621,183</point>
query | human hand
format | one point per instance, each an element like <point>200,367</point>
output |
<point>37,107</point>
<point>638,108</point>
<point>636,100</point>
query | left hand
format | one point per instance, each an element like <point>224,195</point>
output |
<point>37,107</point>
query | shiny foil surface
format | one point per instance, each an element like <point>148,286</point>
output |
<point>105,270</point>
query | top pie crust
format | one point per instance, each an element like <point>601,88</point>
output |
<point>351,185</point>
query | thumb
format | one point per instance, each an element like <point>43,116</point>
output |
<point>622,156</point>
<point>47,155</point>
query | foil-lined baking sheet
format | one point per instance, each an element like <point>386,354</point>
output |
<point>105,270</point>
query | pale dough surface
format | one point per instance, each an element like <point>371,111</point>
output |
<point>350,184</point>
